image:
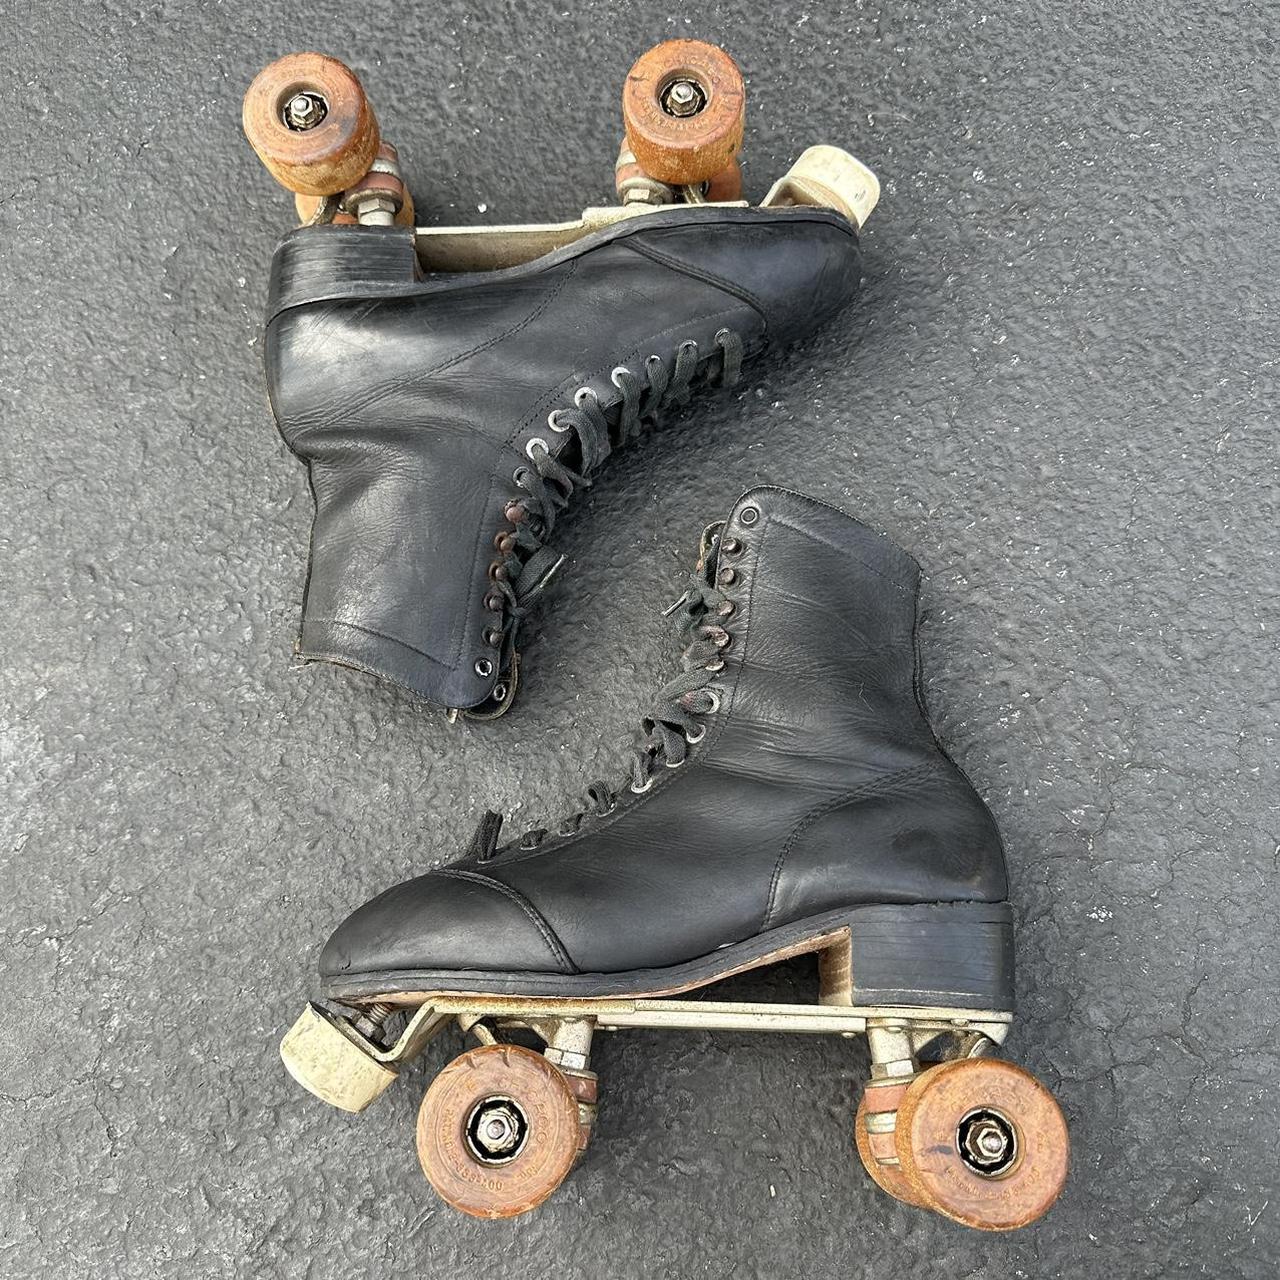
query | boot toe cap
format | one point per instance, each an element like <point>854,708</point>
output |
<point>445,920</point>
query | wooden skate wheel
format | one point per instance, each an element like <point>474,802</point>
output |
<point>684,148</point>
<point>727,184</point>
<point>390,183</point>
<point>498,1131</point>
<point>332,154</point>
<point>888,1177</point>
<point>982,1142</point>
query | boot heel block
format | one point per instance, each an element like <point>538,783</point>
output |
<point>318,264</point>
<point>958,955</point>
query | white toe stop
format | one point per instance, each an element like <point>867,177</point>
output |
<point>328,1059</point>
<point>830,179</point>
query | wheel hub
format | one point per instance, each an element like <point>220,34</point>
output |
<point>304,111</point>
<point>683,98</point>
<point>496,1130</point>
<point>987,1142</point>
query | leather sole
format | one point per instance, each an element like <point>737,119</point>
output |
<point>958,955</point>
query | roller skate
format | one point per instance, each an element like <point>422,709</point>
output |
<point>787,796</point>
<point>452,389</point>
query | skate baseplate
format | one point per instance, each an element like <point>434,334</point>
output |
<point>330,1059</point>
<point>309,121</point>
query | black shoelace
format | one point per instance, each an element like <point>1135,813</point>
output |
<point>674,722</point>
<point>526,562</point>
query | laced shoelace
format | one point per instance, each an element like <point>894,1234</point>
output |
<point>674,722</point>
<point>526,562</point>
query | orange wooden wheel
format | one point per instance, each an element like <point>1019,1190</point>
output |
<point>982,1142</point>
<point>388,184</point>
<point>888,1177</point>
<point>307,118</point>
<point>683,106</point>
<point>727,184</point>
<point>498,1131</point>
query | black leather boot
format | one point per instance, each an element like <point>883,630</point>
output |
<point>788,796</point>
<point>446,418</point>
<point>788,782</point>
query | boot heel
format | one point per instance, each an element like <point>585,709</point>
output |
<point>322,264</point>
<point>956,955</point>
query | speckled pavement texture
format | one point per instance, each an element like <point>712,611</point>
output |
<point>1058,391</point>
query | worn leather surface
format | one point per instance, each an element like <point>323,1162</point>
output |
<point>819,785</point>
<point>412,401</point>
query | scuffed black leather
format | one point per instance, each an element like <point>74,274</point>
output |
<point>819,786</point>
<point>412,398</point>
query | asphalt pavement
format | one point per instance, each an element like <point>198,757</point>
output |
<point>1057,391</point>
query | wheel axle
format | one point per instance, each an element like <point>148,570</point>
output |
<point>304,111</point>
<point>683,98</point>
<point>988,1143</point>
<point>496,1130</point>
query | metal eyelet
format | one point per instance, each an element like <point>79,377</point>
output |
<point>715,701</point>
<point>687,344</point>
<point>519,476</point>
<point>604,813</point>
<point>678,763</point>
<point>537,440</point>
<point>716,664</point>
<point>693,741</point>
<point>731,547</point>
<point>723,334</point>
<point>641,790</point>
<point>483,668</point>
<point>749,515</point>
<point>581,394</point>
<point>553,421</point>
<point>617,369</point>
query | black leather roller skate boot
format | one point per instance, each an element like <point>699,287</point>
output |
<point>788,796</point>
<point>450,389</point>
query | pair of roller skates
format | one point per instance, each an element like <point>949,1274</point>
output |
<point>451,390</point>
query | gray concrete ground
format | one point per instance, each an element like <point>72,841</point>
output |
<point>1057,391</point>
